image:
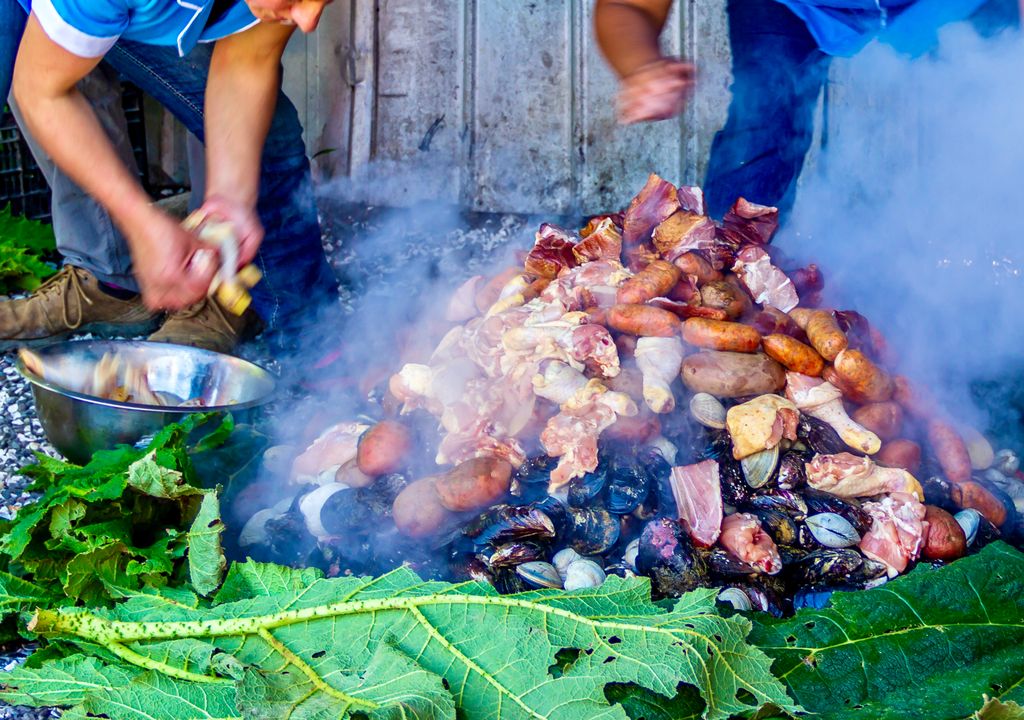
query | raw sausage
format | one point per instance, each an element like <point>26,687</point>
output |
<point>793,354</point>
<point>950,450</point>
<point>824,333</point>
<point>866,378</point>
<point>693,264</point>
<point>655,280</point>
<point>643,321</point>
<point>721,335</point>
<point>686,311</point>
<point>900,453</point>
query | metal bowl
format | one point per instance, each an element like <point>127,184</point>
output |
<point>78,424</point>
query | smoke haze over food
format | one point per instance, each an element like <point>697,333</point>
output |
<point>914,213</point>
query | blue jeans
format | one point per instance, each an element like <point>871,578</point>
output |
<point>12,25</point>
<point>778,74</point>
<point>297,281</point>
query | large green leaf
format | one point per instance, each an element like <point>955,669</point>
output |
<point>206,561</point>
<point>932,644</point>
<point>25,247</point>
<point>380,646</point>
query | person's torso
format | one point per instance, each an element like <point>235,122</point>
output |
<point>176,23</point>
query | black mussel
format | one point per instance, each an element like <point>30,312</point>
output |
<point>985,534</point>
<point>835,567</point>
<point>289,542</point>
<point>718,445</point>
<point>592,531</point>
<point>667,557</point>
<point>792,472</point>
<point>516,553</point>
<point>504,523</point>
<point>768,594</point>
<point>790,554</point>
<point>725,564</point>
<point>536,470</point>
<point>583,490</point>
<point>629,484</point>
<point>472,566</point>
<point>779,526</point>
<point>622,570</point>
<point>823,502</point>
<point>660,472</point>
<point>556,510</point>
<point>819,436</point>
<point>938,491</point>
<point>735,490</point>
<point>785,501</point>
<point>344,514</point>
<point>508,582</point>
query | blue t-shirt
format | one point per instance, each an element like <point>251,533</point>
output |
<point>89,28</point>
<point>844,27</point>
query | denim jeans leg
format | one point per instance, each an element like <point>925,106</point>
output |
<point>12,25</point>
<point>778,75</point>
<point>86,234</point>
<point>297,278</point>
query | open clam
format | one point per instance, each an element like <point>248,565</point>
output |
<point>759,467</point>
<point>708,411</point>
<point>735,597</point>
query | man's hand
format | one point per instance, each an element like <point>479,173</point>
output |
<point>173,269</point>
<point>657,91</point>
<point>244,222</point>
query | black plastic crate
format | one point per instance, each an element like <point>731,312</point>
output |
<point>22,185</point>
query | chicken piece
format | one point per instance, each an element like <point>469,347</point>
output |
<point>743,537</point>
<point>761,424</point>
<point>336,446</point>
<point>462,306</point>
<point>569,340</point>
<point>572,435</point>
<point>698,494</point>
<point>559,382</point>
<point>849,476</point>
<point>897,531</point>
<point>824,401</point>
<point>603,243</point>
<point>766,283</point>
<point>660,360</point>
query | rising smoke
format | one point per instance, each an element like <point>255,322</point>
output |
<point>913,210</point>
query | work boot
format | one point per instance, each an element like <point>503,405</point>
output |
<point>209,326</point>
<point>72,301</point>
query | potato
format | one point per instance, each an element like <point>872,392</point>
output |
<point>729,374</point>
<point>418,511</point>
<point>884,419</point>
<point>350,474</point>
<point>900,453</point>
<point>384,448</point>
<point>944,539</point>
<point>475,484</point>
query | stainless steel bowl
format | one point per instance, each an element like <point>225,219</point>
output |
<point>78,424</point>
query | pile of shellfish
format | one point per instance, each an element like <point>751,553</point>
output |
<point>659,394</point>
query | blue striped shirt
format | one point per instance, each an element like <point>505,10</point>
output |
<point>89,28</point>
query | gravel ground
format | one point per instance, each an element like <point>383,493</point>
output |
<point>374,252</point>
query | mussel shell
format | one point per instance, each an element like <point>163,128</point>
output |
<point>628,486</point>
<point>343,514</point>
<point>592,531</point>
<point>716,445</point>
<point>629,555</point>
<point>822,502</point>
<point>832,530</point>
<point>780,526</point>
<point>516,553</point>
<point>708,411</point>
<point>792,471</point>
<point>540,574</point>
<point>790,554</point>
<point>835,567</point>
<point>819,436</point>
<point>583,490</point>
<point>667,557</point>
<point>759,468</point>
<point>938,491</point>
<point>735,598</point>
<point>504,523</point>
<point>970,521</point>
<point>735,490</point>
<point>508,582</point>
<point>785,501</point>
<point>725,564</point>
<point>1007,462</point>
<point>536,470</point>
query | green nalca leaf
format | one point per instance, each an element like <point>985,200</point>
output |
<point>24,247</point>
<point>385,647</point>
<point>932,644</point>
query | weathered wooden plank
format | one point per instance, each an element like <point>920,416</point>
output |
<point>522,121</point>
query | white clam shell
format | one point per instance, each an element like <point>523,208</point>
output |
<point>540,574</point>
<point>833,530</point>
<point>583,574</point>
<point>708,411</point>
<point>759,467</point>
<point>563,559</point>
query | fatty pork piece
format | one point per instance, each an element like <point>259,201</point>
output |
<point>660,360</point>
<point>698,494</point>
<point>750,223</point>
<point>761,424</point>
<point>849,476</point>
<point>572,435</point>
<point>897,531</point>
<point>683,232</point>
<point>335,447</point>
<point>604,243</point>
<point>824,401</point>
<point>654,204</point>
<point>767,284</point>
<point>552,252</point>
<point>744,538</point>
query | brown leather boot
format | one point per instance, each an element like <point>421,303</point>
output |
<point>69,302</point>
<point>208,325</point>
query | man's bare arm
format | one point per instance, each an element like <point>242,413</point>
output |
<point>628,31</point>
